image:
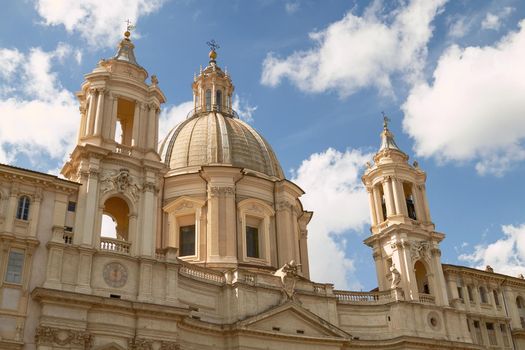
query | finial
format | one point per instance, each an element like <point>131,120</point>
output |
<point>213,47</point>
<point>386,120</point>
<point>129,28</point>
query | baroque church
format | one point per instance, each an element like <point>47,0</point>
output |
<point>210,247</point>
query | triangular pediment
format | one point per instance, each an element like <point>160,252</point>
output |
<point>292,319</point>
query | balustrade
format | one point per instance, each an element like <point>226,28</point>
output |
<point>365,297</point>
<point>427,298</point>
<point>114,245</point>
<point>210,275</point>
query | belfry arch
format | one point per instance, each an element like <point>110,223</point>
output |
<point>118,210</point>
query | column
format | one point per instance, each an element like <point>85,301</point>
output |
<point>34,211</point>
<point>418,203</point>
<point>372,206</point>
<point>425,202</point>
<point>114,119</point>
<point>149,222</point>
<point>399,196</point>
<point>136,125</point>
<point>90,207</point>
<point>305,268</point>
<point>380,271</point>
<point>91,112</point>
<point>99,117</point>
<point>11,208</point>
<point>150,140</point>
<point>389,200</point>
<point>156,128</point>
<point>83,117</point>
<point>378,204</point>
<point>212,227</point>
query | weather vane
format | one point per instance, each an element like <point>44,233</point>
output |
<point>385,120</point>
<point>129,26</point>
<point>213,45</point>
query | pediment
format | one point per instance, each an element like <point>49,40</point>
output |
<point>183,203</point>
<point>292,319</point>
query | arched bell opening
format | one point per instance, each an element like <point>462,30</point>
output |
<point>423,283</point>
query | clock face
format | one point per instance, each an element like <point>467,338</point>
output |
<point>115,274</point>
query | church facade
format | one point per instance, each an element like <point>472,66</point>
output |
<point>210,246</point>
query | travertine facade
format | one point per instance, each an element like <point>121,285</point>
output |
<point>210,244</point>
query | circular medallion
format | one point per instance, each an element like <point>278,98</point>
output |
<point>115,274</point>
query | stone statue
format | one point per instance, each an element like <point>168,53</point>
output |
<point>396,276</point>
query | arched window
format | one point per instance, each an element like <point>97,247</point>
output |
<point>218,99</point>
<point>115,219</point>
<point>208,100</point>
<point>409,199</point>
<point>22,211</point>
<point>421,278</point>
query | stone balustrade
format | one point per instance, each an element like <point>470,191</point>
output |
<point>205,274</point>
<point>427,298</point>
<point>114,245</point>
<point>383,297</point>
<point>121,149</point>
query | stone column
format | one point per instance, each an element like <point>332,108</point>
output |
<point>108,131</point>
<point>284,232</point>
<point>305,268</point>
<point>34,212</point>
<point>146,280</point>
<point>91,112</point>
<point>418,203</point>
<point>372,206</point>
<point>399,195</point>
<point>12,205</point>
<point>378,205</point>
<point>83,117</point>
<point>136,125</point>
<point>150,140</point>
<point>84,270</point>
<point>99,118</point>
<point>90,207</point>
<point>380,271</point>
<point>426,207</point>
<point>389,200</point>
<point>149,222</point>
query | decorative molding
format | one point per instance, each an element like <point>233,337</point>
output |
<point>62,337</point>
<point>420,250</point>
<point>216,191</point>
<point>289,275</point>
<point>120,181</point>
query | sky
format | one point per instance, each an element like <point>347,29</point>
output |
<point>313,78</point>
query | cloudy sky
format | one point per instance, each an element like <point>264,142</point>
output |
<point>313,78</point>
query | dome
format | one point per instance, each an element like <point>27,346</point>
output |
<point>214,138</point>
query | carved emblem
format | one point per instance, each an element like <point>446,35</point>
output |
<point>420,250</point>
<point>121,182</point>
<point>289,275</point>
<point>62,337</point>
<point>115,274</point>
<point>216,191</point>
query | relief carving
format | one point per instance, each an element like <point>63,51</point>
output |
<point>120,181</point>
<point>420,250</point>
<point>63,337</point>
<point>216,191</point>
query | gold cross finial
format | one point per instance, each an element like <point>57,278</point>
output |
<point>129,28</point>
<point>386,120</point>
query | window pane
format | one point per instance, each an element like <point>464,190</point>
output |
<point>22,211</point>
<point>252,242</point>
<point>218,99</point>
<point>71,206</point>
<point>187,240</point>
<point>15,265</point>
<point>208,100</point>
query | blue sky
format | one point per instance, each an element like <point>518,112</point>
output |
<point>312,77</point>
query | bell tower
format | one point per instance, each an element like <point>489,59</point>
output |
<point>403,238</point>
<point>116,159</point>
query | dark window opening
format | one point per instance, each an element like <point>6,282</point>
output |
<point>71,206</point>
<point>187,240</point>
<point>252,242</point>
<point>218,99</point>
<point>208,100</point>
<point>411,208</point>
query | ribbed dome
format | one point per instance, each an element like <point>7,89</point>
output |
<point>212,138</point>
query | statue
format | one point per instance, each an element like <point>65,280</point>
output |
<point>289,275</point>
<point>396,276</point>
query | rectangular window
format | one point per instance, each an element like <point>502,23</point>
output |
<point>187,240</point>
<point>252,242</point>
<point>15,264</point>
<point>71,206</point>
<point>470,296</point>
<point>460,293</point>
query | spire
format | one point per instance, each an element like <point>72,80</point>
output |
<point>125,47</point>
<point>387,138</point>
<point>213,50</point>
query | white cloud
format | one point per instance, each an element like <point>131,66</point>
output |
<point>459,27</point>
<point>506,255</point>
<point>493,21</point>
<point>243,108</point>
<point>291,7</point>
<point>171,116</point>
<point>474,109</point>
<point>358,52</point>
<point>100,23</point>
<point>334,192</point>
<point>34,106</point>
<point>9,61</point>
